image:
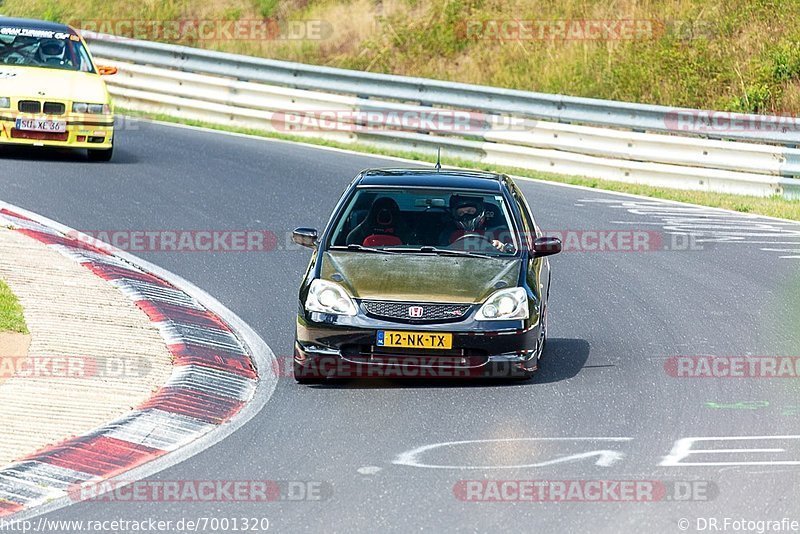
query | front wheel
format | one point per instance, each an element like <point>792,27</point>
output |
<point>525,374</point>
<point>104,154</point>
<point>538,352</point>
<point>542,336</point>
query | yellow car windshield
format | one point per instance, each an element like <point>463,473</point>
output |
<point>44,49</point>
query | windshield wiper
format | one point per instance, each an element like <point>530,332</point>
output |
<point>447,252</point>
<point>362,248</point>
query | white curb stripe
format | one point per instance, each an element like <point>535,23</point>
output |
<point>199,335</point>
<point>158,429</point>
<point>137,290</point>
<point>212,381</point>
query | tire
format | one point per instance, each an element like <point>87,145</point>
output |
<point>304,375</point>
<point>540,345</point>
<point>543,337</point>
<point>525,376</point>
<point>104,154</point>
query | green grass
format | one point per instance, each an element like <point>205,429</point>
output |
<point>733,55</point>
<point>770,206</point>
<point>11,318</point>
<point>266,8</point>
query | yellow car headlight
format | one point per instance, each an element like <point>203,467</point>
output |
<point>5,102</point>
<point>92,109</point>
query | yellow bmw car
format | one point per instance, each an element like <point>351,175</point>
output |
<point>51,92</point>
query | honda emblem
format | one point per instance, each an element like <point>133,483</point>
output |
<point>415,311</point>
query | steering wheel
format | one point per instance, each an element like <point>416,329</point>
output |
<point>473,235</point>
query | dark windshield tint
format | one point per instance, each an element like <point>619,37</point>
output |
<point>400,219</point>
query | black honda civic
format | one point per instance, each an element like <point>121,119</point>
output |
<point>424,273</point>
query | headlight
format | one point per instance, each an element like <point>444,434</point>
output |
<point>92,109</point>
<point>328,297</point>
<point>5,102</point>
<point>511,303</point>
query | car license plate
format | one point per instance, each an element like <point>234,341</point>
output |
<point>414,340</point>
<point>41,125</point>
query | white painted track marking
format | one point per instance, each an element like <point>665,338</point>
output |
<point>604,457</point>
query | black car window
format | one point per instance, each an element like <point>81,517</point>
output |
<point>528,227</point>
<point>407,219</point>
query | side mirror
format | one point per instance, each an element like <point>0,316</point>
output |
<point>546,246</point>
<point>306,237</point>
<point>105,70</point>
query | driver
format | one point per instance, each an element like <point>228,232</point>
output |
<point>52,52</point>
<point>468,215</point>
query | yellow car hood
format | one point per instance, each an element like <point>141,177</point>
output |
<point>42,83</point>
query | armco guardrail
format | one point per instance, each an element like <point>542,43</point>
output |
<point>514,128</point>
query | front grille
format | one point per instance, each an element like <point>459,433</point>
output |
<point>402,310</point>
<point>41,136</point>
<point>54,108</point>
<point>29,106</point>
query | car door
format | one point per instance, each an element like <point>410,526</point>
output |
<point>538,268</point>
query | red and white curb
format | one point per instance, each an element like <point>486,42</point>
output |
<point>223,375</point>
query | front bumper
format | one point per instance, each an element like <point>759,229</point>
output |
<point>346,347</point>
<point>84,132</point>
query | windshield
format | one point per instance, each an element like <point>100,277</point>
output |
<point>406,220</point>
<point>43,48</point>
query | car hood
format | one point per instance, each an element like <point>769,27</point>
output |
<point>54,83</point>
<point>418,277</point>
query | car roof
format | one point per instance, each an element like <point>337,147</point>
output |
<point>31,24</point>
<point>446,178</point>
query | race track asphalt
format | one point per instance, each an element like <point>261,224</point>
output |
<point>615,319</point>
